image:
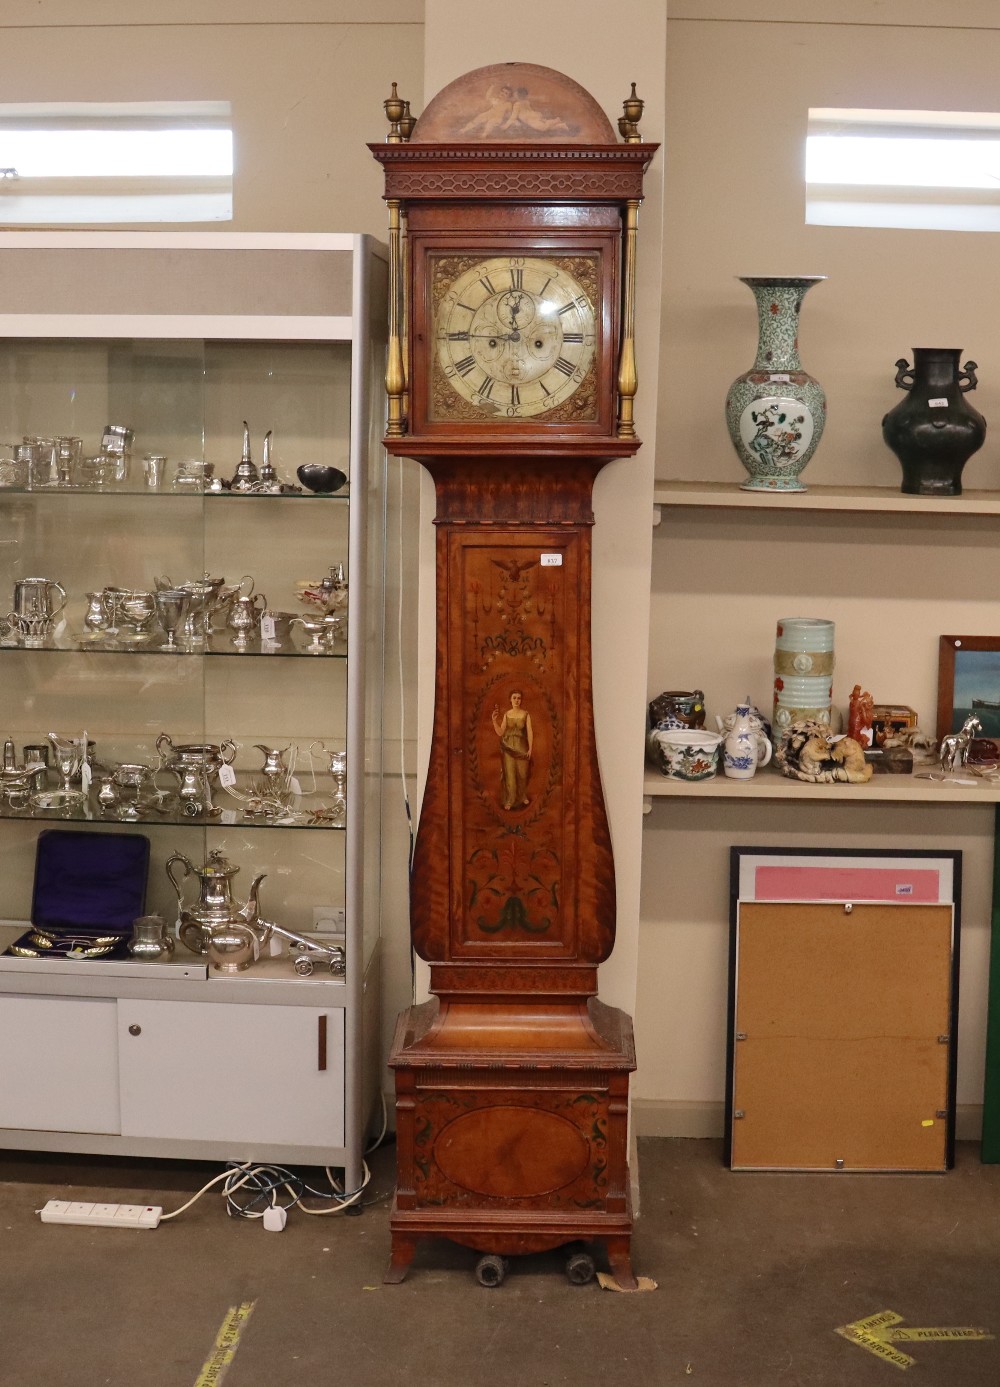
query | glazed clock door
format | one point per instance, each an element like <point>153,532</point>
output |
<point>516,331</point>
<point>515,336</point>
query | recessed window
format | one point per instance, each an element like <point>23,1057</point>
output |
<point>937,170</point>
<point>81,163</point>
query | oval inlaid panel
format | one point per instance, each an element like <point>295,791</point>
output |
<point>509,1152</point>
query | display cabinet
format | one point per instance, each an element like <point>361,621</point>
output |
<point>189,347</point>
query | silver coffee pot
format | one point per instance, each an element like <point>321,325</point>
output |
<point>215,912</point>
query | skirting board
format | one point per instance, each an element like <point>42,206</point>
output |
<point>657,1117</point>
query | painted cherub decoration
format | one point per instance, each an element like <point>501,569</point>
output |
<point>509,107</point>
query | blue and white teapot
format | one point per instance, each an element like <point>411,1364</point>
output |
<point>746,744</point>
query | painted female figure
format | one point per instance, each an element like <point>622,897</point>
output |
<point>516,738</point>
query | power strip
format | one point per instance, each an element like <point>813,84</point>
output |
<point>102,1215</point>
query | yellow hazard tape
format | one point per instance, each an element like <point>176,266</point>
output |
<point>227,1341</point>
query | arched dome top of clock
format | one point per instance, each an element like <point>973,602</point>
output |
<point>514,103</point>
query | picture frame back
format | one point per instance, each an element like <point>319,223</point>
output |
<point>843,1010</point>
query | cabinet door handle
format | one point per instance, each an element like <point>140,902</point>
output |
<point>321,1040</point>
<point>134,1029</point>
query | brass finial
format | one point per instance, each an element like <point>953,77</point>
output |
<point>628,124</point>
<point>395,109</point>
<point>407,122</point>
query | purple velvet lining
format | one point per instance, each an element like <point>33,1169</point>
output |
<point>89,883</point>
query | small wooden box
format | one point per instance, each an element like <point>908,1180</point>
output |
<point>889,718</point>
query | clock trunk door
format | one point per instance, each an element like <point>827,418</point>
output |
<point>514,758</point>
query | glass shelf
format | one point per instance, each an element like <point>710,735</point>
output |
<point>171,492</point>
<point>90,811</point>
<point>220,645</point>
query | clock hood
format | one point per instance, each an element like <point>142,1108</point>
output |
<point>514,103</point>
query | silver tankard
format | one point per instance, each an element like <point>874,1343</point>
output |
<point>35,608</point>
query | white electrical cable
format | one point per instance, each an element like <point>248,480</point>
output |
<point>268,1180</point>
<point>222,1175</point>
<point>383,1129</point>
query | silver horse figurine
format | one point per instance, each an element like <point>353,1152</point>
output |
<point>955,747</point>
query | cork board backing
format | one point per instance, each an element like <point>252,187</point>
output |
<point>842,1012</point>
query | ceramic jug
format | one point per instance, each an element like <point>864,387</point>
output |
<point>746,746</point>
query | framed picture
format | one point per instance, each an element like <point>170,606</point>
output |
<point>969,682</point>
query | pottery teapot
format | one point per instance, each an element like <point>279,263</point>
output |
<point>215,911</point>
<point>746,745</point>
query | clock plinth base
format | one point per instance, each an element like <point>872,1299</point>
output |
<point>511,1128</point>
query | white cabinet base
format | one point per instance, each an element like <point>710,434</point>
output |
<point>237,1073</point>
<point>60,1063</point>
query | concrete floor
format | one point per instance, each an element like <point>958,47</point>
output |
<point>755,1273</point>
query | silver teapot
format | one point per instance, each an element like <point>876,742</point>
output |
<point>215,915</point>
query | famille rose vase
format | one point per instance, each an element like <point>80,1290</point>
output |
<point>775,412</point>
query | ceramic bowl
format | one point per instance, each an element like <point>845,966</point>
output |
<point>316,477</point>
<point>687,753</point>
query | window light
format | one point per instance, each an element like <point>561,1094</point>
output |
<point>83,162</point>
<point>937,170</point>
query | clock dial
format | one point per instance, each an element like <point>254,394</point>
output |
<point>515,335</point>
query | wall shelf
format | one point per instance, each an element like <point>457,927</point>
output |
<point>824,498</point>
<point>880,789</point>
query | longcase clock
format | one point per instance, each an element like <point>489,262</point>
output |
<point>511,378</point>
